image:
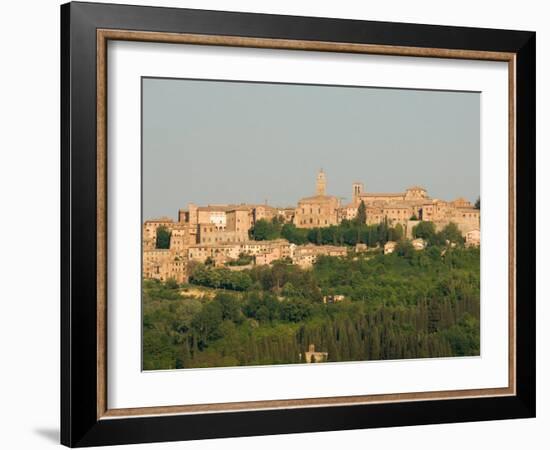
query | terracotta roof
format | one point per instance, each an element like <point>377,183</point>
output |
<point>397,206</point>
<point>318,199</point>
<point>381,194</point>
<point>160,220</point>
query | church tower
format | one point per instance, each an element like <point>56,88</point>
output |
<point>358,189</point>
<point>321,183</point>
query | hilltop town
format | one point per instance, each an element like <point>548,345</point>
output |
<point>223,235</point>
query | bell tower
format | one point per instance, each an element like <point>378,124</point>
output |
<point>321,183</point>
<point>358,189</point>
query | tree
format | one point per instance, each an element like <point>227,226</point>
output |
<point>396,234</point>
<point>264,230</point>
<point>163,237</point>
<point>230,307</point>
<point>404,248</point>
<point>452,233</point>
<point>295,310</point>
<point>478,203</point>
<point>318,237</point>
<point>426,231</point>
<point>361,217</point>
<point>395,307</point>
<point>293,234</point>
<point>171,283</point>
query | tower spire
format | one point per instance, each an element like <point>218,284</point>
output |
<point>321,182</point>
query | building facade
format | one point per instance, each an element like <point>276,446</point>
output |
<point>220,233</point>
<point>320,210</point>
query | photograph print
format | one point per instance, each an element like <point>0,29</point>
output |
<point>308,224</point>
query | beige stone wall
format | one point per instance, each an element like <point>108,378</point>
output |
<point>163,264</point>
<point>201,253</point>
<point>288,214</point>
<point>415,193</point>
<point>306,255</point>
<point>211,234</point>
<point>317,212</point>
<point>282,246</point>
<point>357,189</point>
<point>267,258</point>
<point>311,356</point>
<point>277,249</point>
<point>397,214</point>
<point>239,220</point>
<point>473,238</point>
<point>215,217</point>
<point>183,235</point>
<point>193,214</point>
<point>264,212</point>
<point>371,198</point>
<point>348,212</point>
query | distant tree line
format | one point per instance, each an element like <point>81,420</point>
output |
<point>352,232</point>
<point>348,232</point>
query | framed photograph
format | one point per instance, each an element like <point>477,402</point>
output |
<point>276,224</point>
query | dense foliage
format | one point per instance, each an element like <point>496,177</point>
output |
<point>163,237</point>
<point>410,304</point>
<point>450,233</point>
<point>349,232</point>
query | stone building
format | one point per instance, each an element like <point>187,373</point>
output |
<point>211,234</point>
<point>418,244</point>
<point>203,252</point>
<point>389,247</point>
<point>149,230</point>
<point>336,298</point>
<point>239,219</point>
<point>214,214</point>
<point>262,250</point>
<point>320,210</point>
<point>221,232</point>
<point>461,212</point>
<point>348,212</point>
<point>414,204</point>
<point>264,212</point>
<point>182,236</point>
<point>162,264</point>
<point>473,238</point>
<point>311,356</point>
<point>306,255</point>
<point>282,246</point>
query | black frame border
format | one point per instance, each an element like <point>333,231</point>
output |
<point>79,424</point>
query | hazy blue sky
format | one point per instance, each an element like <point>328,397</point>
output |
<point>237,142</point>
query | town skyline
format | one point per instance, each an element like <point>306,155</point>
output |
<point>225,233</point>
<point>173,213</point>
<point>271,140</point>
